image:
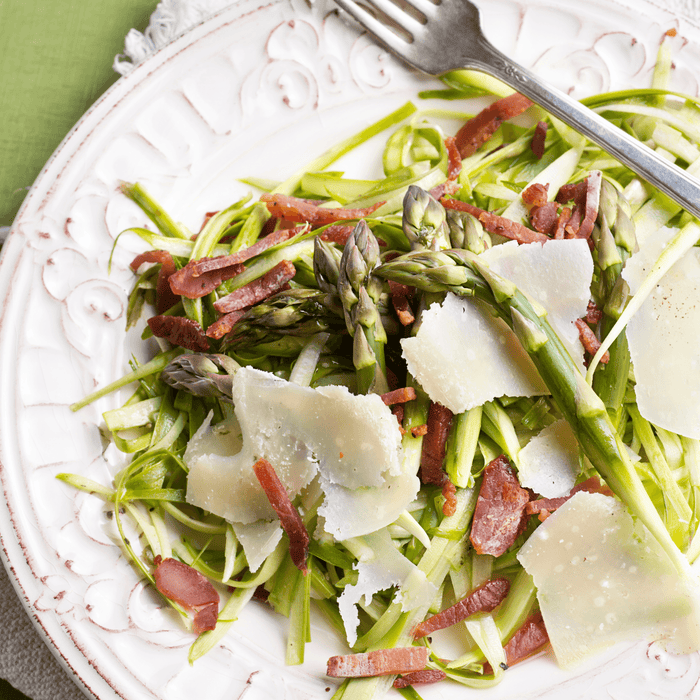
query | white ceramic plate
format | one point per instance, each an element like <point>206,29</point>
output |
<point>257,90</point>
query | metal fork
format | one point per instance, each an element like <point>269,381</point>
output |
<point>446,35</point>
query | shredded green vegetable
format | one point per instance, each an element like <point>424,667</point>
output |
<point>337,324</point>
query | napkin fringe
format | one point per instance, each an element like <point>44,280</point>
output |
<point>171,19</point>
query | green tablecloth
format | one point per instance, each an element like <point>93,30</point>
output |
<point>56,60</point>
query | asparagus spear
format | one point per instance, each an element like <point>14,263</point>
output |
<point>424,221</point>
<point>359,291</point>
<point>463,273</point>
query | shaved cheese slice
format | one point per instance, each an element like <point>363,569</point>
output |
<point>355,512</point>
<point>601,579</point>
<point>463,356</point>
<point>353,442</point>
<point>664,337</point>
<point>549,463</point>
<point>221,478</point>
<point>258,540</point>
<point>557,274</point>
<point>387,568</point>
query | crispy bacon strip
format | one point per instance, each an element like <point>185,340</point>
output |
<point>337,233</point>
<point>545,218</point>
<point>186,586</point>
<point>449,492</point>
<point>454,158</point>
<point>301,210</point>
<point>397,410</point>
<point>562,220</point>
<point>433,448</point>
<point>479,129</point>
<point>447,187</point>
<point>592,202</point>
<point>257,290</point>
<point>224,324</point>
<point>201,277</point>
<point>179,331</point>
<point>535,195</point>
<point>538,138</point>
<point>165,299</point>
<point>594,314</point>
<point>204,265</point>
<point>485,598</point>
<point>549,505</point>
<point>289,516</point>
<point>400,294</point>
<point>589,340</point>
<point>572,192</point>
<point>497,224</point>
<point>419,430</point>
<point>528,638</point>
<point>407,393</point>
<point>382,662</point>
<point>500,515</point>
<point>427,675</point>
<point>185,284</point>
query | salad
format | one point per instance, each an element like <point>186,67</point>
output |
<point>429,400</point>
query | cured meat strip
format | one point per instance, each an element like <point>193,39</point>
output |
<point>449,492</point>
<point>185,284</point>
<point>479,129</point>
<point>589,340</point>
<point>499,516</point>
<point>224,324</point>
<point>289,516</point>
<point>535,195</point>
<point>186,586</point>
<point>179,331</point>
<point>337,233</point>
<point>433,448</point>
<point>257,290</point>
<point>485,598</point>
<point>427,675</point>
<point>544,506</point>
<point>544,218</point>
<point>538,139</point>
<point>165,299</point>
<point>400,294</point>
<point>382,662</point>
<point>528,638</point>
<point>497,224</point>
<point>591,204</point>
<point>201,277</point>
<point>594,314</point>
<point>402,395</point>
<point>454,158</point>
<point>291,208</point>
<point>559,231</point>
<point>199,267</point>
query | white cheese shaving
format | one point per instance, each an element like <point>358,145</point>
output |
<point>387,568</point>
<point>664,338</point>
<point>463,357</point>
<point>352,442</point>
<point>601,579</point>
<point>557,274</point>
<point>549,463</point>
<point>355,512</point>
<point>258,540</point>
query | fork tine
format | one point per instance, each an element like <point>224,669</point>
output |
<point>373,25</point>
<point>398,15</point>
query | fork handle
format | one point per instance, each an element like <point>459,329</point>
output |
<point>666,176</point>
